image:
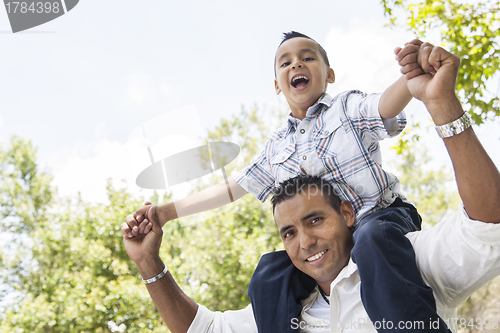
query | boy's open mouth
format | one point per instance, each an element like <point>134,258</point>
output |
<point>299,81</point>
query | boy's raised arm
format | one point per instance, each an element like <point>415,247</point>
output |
<point>211,198</point>
<point>397,96</point>
<point>394,99</point>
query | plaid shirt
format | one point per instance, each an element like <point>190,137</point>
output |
<point>338,141</point>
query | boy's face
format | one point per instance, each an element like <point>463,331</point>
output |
<point>301,74</point>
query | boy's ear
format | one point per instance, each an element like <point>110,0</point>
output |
<point>331,76</point>
<point>347,213</point>
<point>278,90</point>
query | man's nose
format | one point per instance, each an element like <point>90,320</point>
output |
<point>307,240</point>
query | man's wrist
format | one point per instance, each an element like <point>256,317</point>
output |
<point>150,267</point>
<point>445,111</point>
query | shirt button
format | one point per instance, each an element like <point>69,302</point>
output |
<point>304,157</point>
<point>302,131</point>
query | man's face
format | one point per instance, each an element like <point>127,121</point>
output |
<point>317,238</point>
<point>301,73</point>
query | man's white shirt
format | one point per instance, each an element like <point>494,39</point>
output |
<point>455,257</point>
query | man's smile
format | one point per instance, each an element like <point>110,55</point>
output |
<point>316,256</point>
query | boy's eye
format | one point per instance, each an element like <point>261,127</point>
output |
<point>285,64</point>
<point>308,59</point>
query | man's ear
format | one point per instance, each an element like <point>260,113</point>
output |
<point>347,213</point>
<point>331,76</point>
<point>276,86</point>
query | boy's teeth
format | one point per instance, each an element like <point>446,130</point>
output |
<point>299,77</point>
<point>316,257</point>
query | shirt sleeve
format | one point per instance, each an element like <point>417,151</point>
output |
<point>240,321</point>
<point>457,256</point>
<point>362,110</point>
<point>257,178</point>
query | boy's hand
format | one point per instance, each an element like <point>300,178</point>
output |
<point>431,71</point>
<point>407,58</point>
<point>142,249</point>
<point>139,222</point>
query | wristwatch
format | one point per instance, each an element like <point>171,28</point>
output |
<point>455,127</point>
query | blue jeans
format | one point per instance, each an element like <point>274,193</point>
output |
<point>392,288</point>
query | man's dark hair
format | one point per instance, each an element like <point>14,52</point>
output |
<point>297,185</point>
<point>295,34</point>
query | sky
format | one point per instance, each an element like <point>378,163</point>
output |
<point>83,85</point>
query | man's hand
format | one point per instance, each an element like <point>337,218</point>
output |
<point>431,72</point>
<point>143,247</point>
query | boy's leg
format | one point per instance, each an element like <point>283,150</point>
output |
<point>276,290</point>
<point>392,289</point>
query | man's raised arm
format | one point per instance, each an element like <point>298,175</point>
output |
<point>176,308</point>
<point>431,73</point>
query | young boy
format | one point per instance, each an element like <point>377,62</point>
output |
<point>336,139</point>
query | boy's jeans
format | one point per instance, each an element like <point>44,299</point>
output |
<point>392,288</point>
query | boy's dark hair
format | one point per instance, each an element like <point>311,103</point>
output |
<point>297,185</point>
<point>295,34</point>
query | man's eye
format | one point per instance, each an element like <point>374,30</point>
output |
<point>285,64</point>
<point>288,234</point>
<point>315,220</point>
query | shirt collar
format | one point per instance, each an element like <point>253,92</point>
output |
<point>345,273</point>
<point>324,102</point>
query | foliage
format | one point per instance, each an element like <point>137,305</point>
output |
<point>69,268</point>
<point>66,259</point>
<point>428,188</point>
<point>472,32</point>
<point>214,259</point>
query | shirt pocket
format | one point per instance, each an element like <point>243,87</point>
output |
<point>331,139</point>
<point>282,163</point>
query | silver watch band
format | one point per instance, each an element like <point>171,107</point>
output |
<point>156,278</point>
<point>455,127</point>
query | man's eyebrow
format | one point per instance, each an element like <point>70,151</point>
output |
<point>285,228</point>
<point>312,214</point>
<point>306,217</point>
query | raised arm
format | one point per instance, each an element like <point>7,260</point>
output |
<point>208,199</point>
<point>176,308</point>
<point>394,99</point>
<point>431,79</point>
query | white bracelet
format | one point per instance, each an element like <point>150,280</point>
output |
<point>156,278</point>
<point>455,127</point>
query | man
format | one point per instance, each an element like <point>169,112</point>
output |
<point>440,251</point>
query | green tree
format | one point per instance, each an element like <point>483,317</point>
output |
<point>430,187</point>
<point>65,259</point>
<point>214,259</point>
<point>469,30</point>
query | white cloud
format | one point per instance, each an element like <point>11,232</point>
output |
<point>139,88</point>
<point>362,57</point>
<point>88,174</point>
<point>88,166</point>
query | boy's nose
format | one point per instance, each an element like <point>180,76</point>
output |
<point>296,64</point>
